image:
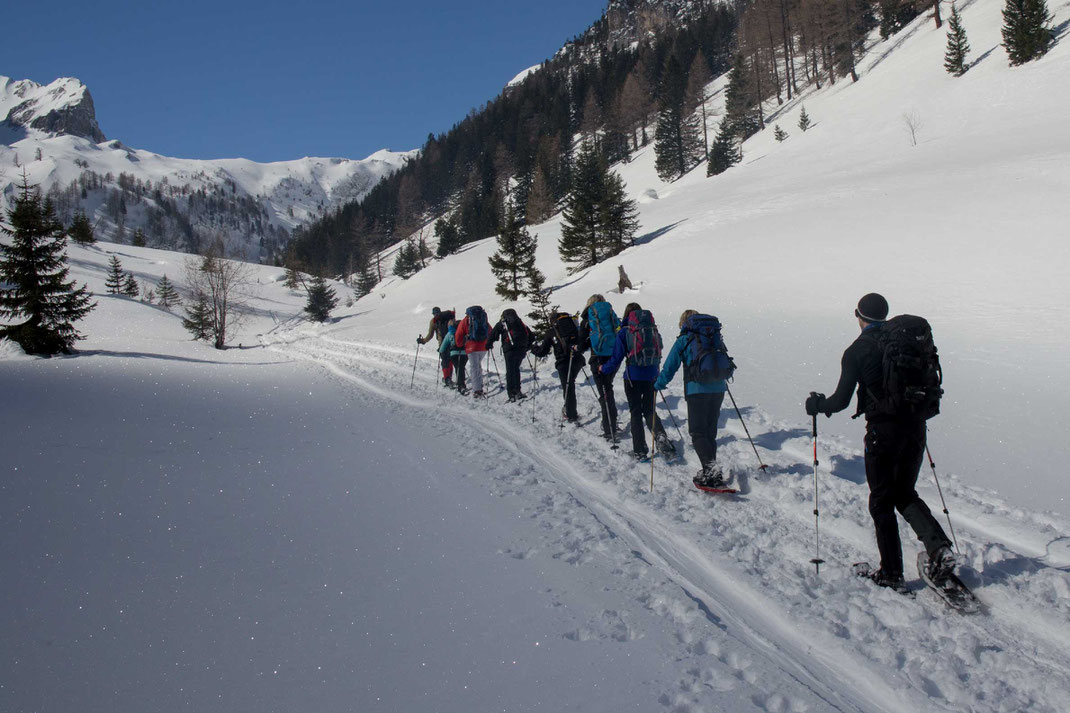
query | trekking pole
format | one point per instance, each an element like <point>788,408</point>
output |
<point>671,416</point>
<point>535,389</point>
<point>761,466</point>
<point>653,442</point>
<point>940,490</point>
<point>817,561</point>
<point>589,380</point>
<point>501,384</point>
<point>414,362</point>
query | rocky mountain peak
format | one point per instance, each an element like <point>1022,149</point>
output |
<point>62,107</point>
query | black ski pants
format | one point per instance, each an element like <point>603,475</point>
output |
<point>640,395</point>
<point>567,371</point>
<point>460,361</point>
<point>894,453</point>
<point>703,413</point>
<point>513,359</point>
<point>603,384</point>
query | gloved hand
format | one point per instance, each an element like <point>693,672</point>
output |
<point>420,340</point>
<point>658,386</point>
<point>813,403</point>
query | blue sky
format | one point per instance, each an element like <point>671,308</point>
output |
<point>275,80</point>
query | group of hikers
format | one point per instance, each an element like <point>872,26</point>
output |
<point>895,413</point>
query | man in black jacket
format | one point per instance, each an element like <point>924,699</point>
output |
<point>894,450</point>
<point>563,337</point>
<point>516,339</point>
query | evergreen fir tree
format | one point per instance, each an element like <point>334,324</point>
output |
<point>541,204</point>
<point>957,45</point>
<point>514,258</point>
<point>293,278</point>
<point>740,103</point>
<point>198,319</point>
<point>33,278</point>
<point>449,236</point>
<point>321,300</point>
<point>804,119</point>
<point>139,240</point>
<point>581,228</point>
<point>407,262</point>
<point>779,134</point>
<point>131,288</point>
<point>167,293</point>
<point>677,137</point>
<point>724,153</point>
<point>367,275</point>
<point>619,217</point>
<point>539,297</point>
<point>116,276</point>
<point>1027,32</point>
<point>81,230</point>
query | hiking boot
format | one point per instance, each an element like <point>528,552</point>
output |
<point>521,396</point>
<point>664,445</point>
<point>894,582</point>
<point>447,382</point>
<point>511,399</point>
<point>711,476</point>
<point>641,456</point>
<point>941,564</point>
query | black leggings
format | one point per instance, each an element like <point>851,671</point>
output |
<point>703,412</point>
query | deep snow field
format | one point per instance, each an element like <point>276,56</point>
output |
<point>287,525</point>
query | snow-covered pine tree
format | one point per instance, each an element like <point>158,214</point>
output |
<point>1027,31</point>
<point>81,230</point>
<point>619,217</point>
<point>957,45</point>
<point>779,134</point>
<point>724,153</point>
<point>321,300</point>
<point>131,288</point>
<point>116,277</point>
<point>804,119</point>
<point>514,258</point>
<point>33,275</point>
<point>167,294</point>
<point>581,229</point>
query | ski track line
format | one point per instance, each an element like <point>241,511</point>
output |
<point>612,505</point>
<point>684,563</point>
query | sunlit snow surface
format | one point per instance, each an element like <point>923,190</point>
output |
<point>288,526</point>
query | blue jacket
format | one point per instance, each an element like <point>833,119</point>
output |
<point>679,355</point>
<point>449,343</point>
<point>632,373</point>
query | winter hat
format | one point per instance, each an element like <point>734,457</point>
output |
<point>872,308</point>
<point>435,311</point>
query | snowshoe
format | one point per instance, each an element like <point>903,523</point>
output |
<point>894,582</point>
<point>946,584</point>
<point>711,480</point>
<point>665,446</point>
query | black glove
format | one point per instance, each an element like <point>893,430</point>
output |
<point>813,403</point>
<point>420,340</point>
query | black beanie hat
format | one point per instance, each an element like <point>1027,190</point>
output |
<point>872,308</point>
<point>435,311</point>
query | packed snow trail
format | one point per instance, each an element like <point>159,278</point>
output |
<point>824,643</point>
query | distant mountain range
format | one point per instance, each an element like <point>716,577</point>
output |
<point>51,133</point>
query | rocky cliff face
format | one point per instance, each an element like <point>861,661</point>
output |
<point>62,107</point>
<point>630,21</point>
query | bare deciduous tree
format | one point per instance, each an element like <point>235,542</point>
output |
<point>224,286</point>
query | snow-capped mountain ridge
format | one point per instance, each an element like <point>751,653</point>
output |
<point>51,133</point>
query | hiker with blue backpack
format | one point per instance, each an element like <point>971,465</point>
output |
<point>516,339</point>
<point>707,366</point>
<point>639,345</point>
<point>449,350</point>
<point>598,327</point>
<point>472,334</point>
<point>562,337</point>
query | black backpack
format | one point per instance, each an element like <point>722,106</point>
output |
<point>708,360</point>
<point>911,377</point>
<point>442,323</point>
<point>516,333</point>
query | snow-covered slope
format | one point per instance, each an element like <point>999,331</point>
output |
<point>178,203</point>
<point>304,523</point>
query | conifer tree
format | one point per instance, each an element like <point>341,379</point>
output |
<point>198,319</point>
<point>321,300</point>
<point>779,134</point>
<point>1027,32</point>
<point>541,203</point>
<point>139,240</point>
<point>33,278</point>
<point>539,297</point>
<point>677,138</point>
<point>581,229</point>
<point>449,236</point>
<point>740,103</point>
<point>293,278</point>
<point>724,153</point>
<point>81,230</point>
<point>130,286</point>
<point>804,120</point>
<point>957,45</point>
<point>116,277</point>
<point>167,293</point>
<point>514,258</point>
<point>619,217</point>
<point>407,262</point>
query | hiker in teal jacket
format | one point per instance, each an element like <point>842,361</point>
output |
<point>457,355</point>
<point>703,404</point>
